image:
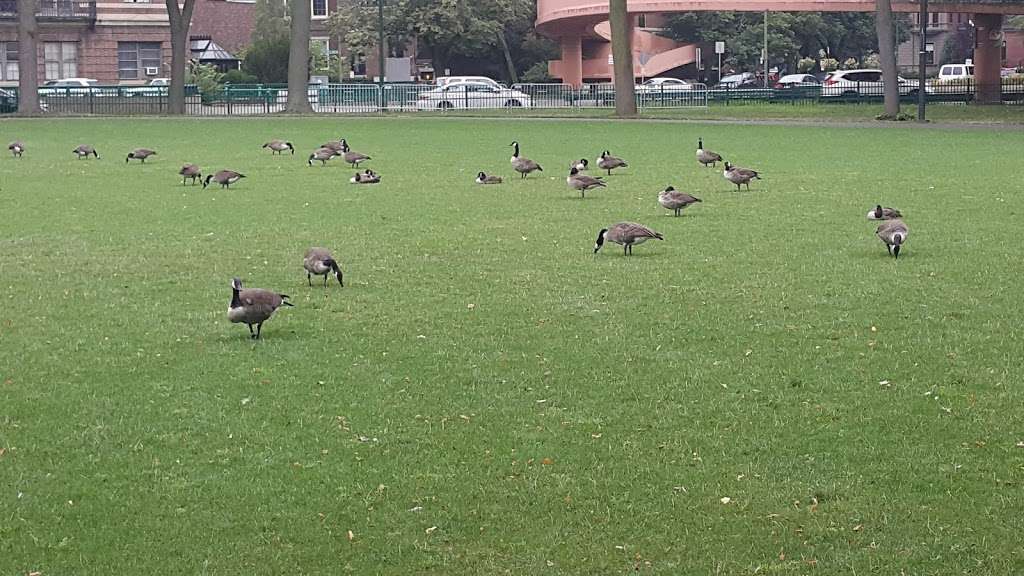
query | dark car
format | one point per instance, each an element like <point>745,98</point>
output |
<point>743,80</point>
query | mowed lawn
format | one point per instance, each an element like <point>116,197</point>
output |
<point>766,391</point>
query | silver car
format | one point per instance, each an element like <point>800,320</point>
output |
<point>467,95</point>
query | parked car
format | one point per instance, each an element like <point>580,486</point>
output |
<point>866,82</point>
<point>956,71</point>
<point>441,81</point>
<point>156,87</point>
<point>661,85</point>
<point>471,95</point>
<point>797,81</point>
<point>68,87</point>
<point>742,80</point>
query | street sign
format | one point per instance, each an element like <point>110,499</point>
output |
<point>719,47</point>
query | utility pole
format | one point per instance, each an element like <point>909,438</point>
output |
<point>922,97</point>
<point>765,49</point>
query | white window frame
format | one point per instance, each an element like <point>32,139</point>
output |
<point>64,65</point>
<point>140,62</point>
<point>6,66</point>
<point>314,15</point>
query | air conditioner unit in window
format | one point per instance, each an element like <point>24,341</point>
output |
<point>152,71</point>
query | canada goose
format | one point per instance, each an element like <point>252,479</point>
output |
<point>335,145</point>
<point>607,162</point>
<point>675,200</point>
<point>253,306</point>
<point>706,157</point>
<point>190,171</point>
<point>522,165</point>
<point>739,175</point>
<point>279,146</point>
<point>17,148</point>
<point>367,177</point>
<point>353,158</point>
<point>319,261</point>
<point>321,154</point>
<point>223,177</point>
<point>139,154</point>
<point>582,164</point>
<point>626,233</point>
<point>482,178</point>
<point>880,213</point>
<point>894,233</point>
<point>582,182</point>
<point>84,150</point>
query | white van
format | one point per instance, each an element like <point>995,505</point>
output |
<point>956,71</point>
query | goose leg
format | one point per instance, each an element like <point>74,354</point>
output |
<point>259,328</point>
<point>325,280</point>
<point>309,279</point>
<point>251,333</point>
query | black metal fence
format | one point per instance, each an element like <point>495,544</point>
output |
<point>243,100</point>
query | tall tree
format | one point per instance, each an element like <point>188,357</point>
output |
<point>622,56</point>
<point>180,18</point>
<point>28,58</point>
<point>298,59</point>
<point>887,56</point>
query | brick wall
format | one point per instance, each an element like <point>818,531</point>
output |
<point>227,23</point>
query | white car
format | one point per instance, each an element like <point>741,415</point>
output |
<point>956,71</point>
<point>660,85</point>
<point>156,87</point>
<point>442,81</point>
<point>465,95</point>
<point>865,82</point>
<point>68,87</point>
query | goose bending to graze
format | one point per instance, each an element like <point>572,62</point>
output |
<point>482,178</point>
<point>279,146</point>
<point>521,164</point>
<point>879,213</point>
<point>253,306</point>
<point>335,145</point>
<point>365,177</point>
<point>353,158</point>
<point>675,200</point>
<point>582,164</point>
<point>706,157</point>
<point>140,154</point>
<point>628,234</point>
<point>582,182</point>
<point>894,233</point>
<point>84,151</point>
<point>190,171</point>
<point>608,162</point>
<point>223,177</point>
<point>319,261</point>
<point>17,148</point>
<point>323,155</point>
<point>739,176</point>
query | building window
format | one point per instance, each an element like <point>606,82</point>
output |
<point>9,61</point>
<point>929,53</point>
<point>319,9</point>
<point>60,60</point>
<point>935,17</point>
<point>641,21</point>
<point>319,47</point>
<point>138,59</point>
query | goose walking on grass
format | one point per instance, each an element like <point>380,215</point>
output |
<point>223,177</point>
<point>323,155</point>
<point>17,148</point>
<point>522,164</point>
<point>628,234</point>
<point>482,178</point>
<point>253,306</point>
<point>706,157</point>
<point>675,200</point>
<point>351,157</point>
<point>608,162</point>
<point>879,213</point>
<point>279,146</point>
<point>190,171</point>
<point>319,262</point>
<point>740,176</point>
<point>140,154</point>
<point>582,182</point>
<point>84,151</point>
<point>893,233</point>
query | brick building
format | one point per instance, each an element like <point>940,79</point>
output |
<point>111,41</point>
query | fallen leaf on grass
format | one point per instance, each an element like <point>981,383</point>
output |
<point>430,530</point>
<point>725,500</point>
<point>416,509</point>
<point>350,536</point>
<point>1019,445</point>
<point>858,527</point>
<point>547,461</point>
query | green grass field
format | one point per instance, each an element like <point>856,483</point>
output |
<point>486,395</point>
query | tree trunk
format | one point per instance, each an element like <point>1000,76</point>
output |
<point>887,56</point>
<point>513,78</point>
<point>28,58</point>
<point>180,20</point>
<point>622,55</point>
<point>298,59</point>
